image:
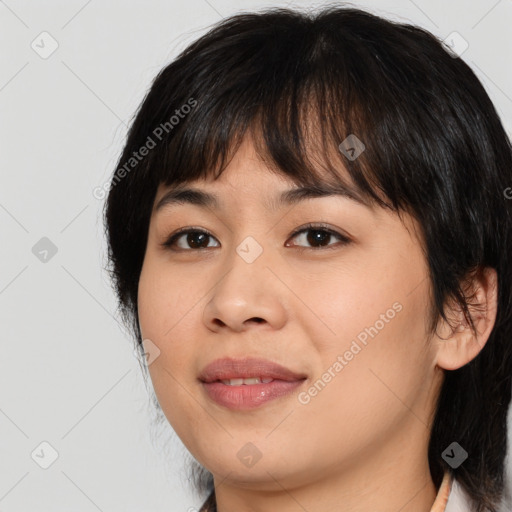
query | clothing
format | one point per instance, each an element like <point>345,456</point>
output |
<point>451,497</point>
<point>458,501</point>
<point>441,501</point>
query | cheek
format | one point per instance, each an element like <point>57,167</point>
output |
<point>149,301</point>
<point>169,318</point>
<point>366,392</point>
<point>370,334</point>
<point>160,311</point>
<point>165,301</point>
<point>346,305</point>
<point>379,300</point>
<point>381,373</point>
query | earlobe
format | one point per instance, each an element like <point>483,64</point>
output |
<point>458,345</point>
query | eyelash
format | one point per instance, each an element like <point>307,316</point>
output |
<point>171,240</point>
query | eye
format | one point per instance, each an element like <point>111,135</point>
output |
<point>319,237</point>
<point>196,238</point>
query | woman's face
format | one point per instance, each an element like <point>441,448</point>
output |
<point>347,319</point>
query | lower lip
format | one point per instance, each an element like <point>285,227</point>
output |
<point>249,396</point>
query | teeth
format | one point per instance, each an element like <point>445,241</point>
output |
<point>247,382</point>
<point>233,382</point>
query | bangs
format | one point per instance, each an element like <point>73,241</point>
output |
<point>308,120</point>
<point>288,136</point>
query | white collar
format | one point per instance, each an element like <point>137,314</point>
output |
<point>458,501</point>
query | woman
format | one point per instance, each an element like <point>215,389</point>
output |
<point>367,367</point>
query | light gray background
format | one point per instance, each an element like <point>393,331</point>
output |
<point>67,372</point>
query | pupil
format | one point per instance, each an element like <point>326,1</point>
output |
<point>321,236</point>
<point>194,236</point>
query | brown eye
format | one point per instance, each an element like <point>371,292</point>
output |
<point>191,239</point>
<point>319,237</point>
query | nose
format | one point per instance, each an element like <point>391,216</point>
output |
<point>247,295</point>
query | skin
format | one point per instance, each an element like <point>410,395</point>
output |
<point>361,443</point>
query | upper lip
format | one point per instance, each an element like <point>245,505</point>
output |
<point>233,368</point>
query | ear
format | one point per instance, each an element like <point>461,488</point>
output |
<point>457,347</point>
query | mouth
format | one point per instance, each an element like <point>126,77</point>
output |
<point>240,384</point>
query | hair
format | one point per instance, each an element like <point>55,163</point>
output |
<point>300,83</point>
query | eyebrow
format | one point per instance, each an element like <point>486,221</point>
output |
<point>197,197</point>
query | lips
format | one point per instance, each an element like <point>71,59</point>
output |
<point>230,368</point>
<point>240,384</point>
